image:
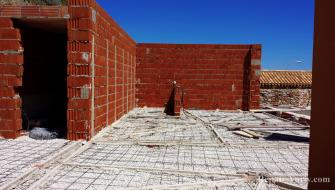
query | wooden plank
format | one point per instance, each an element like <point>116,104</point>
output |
<point>254,134</point>
<point>277,110</point>
<point>244,134</point>
<point>235,127</point>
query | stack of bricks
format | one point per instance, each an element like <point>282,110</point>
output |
<point>101,70</point>
<point>212,76</point>
<point>178,100</point>
<point>174,103</point>
<point>11,70</point>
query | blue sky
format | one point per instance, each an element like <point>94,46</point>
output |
<point>283,27</point>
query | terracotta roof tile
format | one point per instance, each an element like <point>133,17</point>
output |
<point>287,78</point>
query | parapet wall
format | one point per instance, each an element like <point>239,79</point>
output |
<point>212,76</point>
<point>101,70</point>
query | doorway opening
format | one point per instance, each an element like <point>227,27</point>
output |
<point>44,84</point>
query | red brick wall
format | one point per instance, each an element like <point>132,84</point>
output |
<point>11,70</point>
<point>212,76</point>
<point>100,70</point>
<point>11,62</point>
<point>33,11</point>
<point>100,94</point>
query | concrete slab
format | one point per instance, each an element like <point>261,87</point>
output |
<point>19,155</point>
<point>149,150</point>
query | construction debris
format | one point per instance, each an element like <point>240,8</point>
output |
<point>244,134</point>
<point>42,134</point>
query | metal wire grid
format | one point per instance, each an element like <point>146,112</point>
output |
<point>285,160</point>
<point>187,130</point>
<point>247,119</point>
<point>278,161</point>
<point>17,155</point>
<point>231,138</point>
<point>159,129</point>
<point>73,177</point>
<point>297,132</point>
<point>191,133</point>
<point>244,118</point>
<point>25,184</point>
<point>231,159</point>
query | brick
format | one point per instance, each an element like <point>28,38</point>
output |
<point>78,126</point>
<point>77,35</point>
<point>10,69</point>
<point>9,34</point>
<point>10,81</point>
<point>73,93</point>
<point>10,103</point>
<point>78,81</point>
<point>79,104</point>
<point>73,135</point>
<point>11,11</point>
<point>11,58</point>
<point>49,11</point>
<point>78,70</point>
<point>30,10</point>
<point>100,81</point>
<point>80,12</point>
<point>10,114</point>
<point>10,125</point>
<point>10,134</point>
<point>85,24</point>
<point>9,45</point>
<point>6,23</point>
<point>73,23</point>
<point>7,92</point>
<point>79,57</point>
<point>78,115</point>
<point>75,46</point>
<point>83,92</point>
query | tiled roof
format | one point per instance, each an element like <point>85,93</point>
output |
<point>290,79</point>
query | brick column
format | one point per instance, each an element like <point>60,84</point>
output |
<point>11,71</point>
<point>80,72</point>
<point>255,72</point>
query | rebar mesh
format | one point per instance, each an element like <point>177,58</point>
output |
<point>148,149</point>
<point>81,177</point>
<point>16,156</point>
<point>279,161</point>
